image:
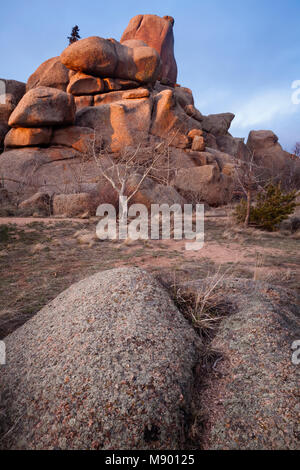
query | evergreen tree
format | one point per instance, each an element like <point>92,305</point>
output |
<point>74,35</point>
<point>271,207</point>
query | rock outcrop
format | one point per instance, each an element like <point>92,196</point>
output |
<point>122,93</point>
<point>156,32</point>
<point>108,364</point>
<point>267,151</point>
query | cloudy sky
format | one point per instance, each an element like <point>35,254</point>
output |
<point>236,55</point>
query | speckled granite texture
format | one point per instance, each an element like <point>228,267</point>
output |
<point>108,364</point>
<point>251,398</point>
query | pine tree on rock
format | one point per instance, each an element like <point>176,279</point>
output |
<point>74,35</point>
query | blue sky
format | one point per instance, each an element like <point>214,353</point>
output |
<point>236,55</point>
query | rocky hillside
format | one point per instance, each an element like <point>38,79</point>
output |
<point>124,92</point>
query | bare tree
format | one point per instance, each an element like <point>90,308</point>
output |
<point>296,149</point>
<point>249,177</point>
<point>127,169</point>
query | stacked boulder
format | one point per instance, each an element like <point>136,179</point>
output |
<point>11,92</point>
<point>123,92</point>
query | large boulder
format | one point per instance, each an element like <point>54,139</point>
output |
<point>108,58</point>
<point>269,155</point>
<point>84,101</point>
<point>44,106</point>
<point>39,203</point>
<point>79,138</point>
<point>28,137</point>
<point>82,84</point>
<point>53,169</point>
<point>122,123</point>
<point>250,396</point>
<point>140,63</point>
<point>262,140</point>
<point>108,364</point>
<point>11,92</point>
<point>231,145</point>
<point>4,128</point>
<point>207,184</point>
<point>184,96</point>
<point>217,124</point>
<point>152,193</point>
<point>193,179</point>
<point>156,32</point>
<point>72,205</point>
<point>170,122</point>
<point>93,56</point>
<point>51,73</point>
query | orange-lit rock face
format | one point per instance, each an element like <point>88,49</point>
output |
<point>79,138</point>
<point>83,101</point>
<point>93,55</point>
<point>156,32</point>
<point>108,58</point>
<point>198,144</point>
<point>51,73</point>
<point>82,84</point>
<point>26,137</point>
<point>43,106</point>
<point>120,123</point>
<point>170,122</point>
<point>195,132</point>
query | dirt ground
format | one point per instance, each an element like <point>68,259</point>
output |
<point>39,258</point>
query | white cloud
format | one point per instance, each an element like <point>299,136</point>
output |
<point>265,107</point>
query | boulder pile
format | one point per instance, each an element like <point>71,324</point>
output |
<point>122,91</point>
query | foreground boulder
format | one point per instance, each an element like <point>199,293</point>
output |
<point>43,106</point>
<point>108,364</point>
<point>156,32</point>
<point>251,396</point>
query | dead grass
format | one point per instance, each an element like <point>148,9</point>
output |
<point>39,260</point>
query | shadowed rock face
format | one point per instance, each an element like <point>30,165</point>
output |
<point>11,92</point>
<point>267,151</point>
<point>108,364</point>
<point>158,33</point>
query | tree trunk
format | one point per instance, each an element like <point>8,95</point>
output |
<point>247,219</point>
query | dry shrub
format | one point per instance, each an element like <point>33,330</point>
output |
<point>205,307</point>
